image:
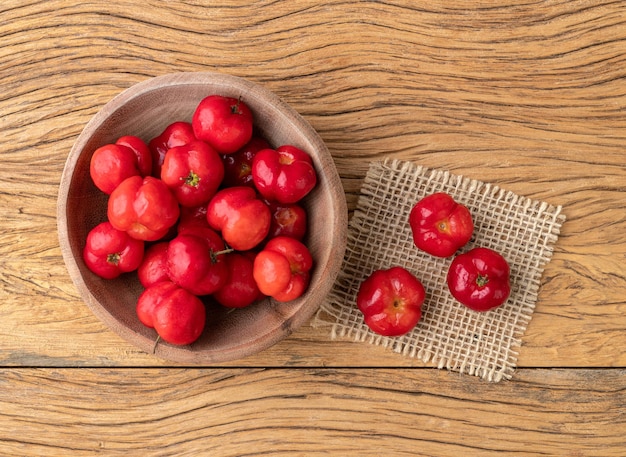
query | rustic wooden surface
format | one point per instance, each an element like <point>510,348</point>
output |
<point>530,96</point>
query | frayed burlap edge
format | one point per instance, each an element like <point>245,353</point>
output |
<point>449,335</point>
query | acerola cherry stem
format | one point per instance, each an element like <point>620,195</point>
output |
<point>215,254</point>
<point>481,281</point>
<point>113,258</point>
<point>192,179</point>
<point>156,342</point>
<point>234,109</point>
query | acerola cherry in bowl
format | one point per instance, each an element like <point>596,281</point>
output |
<point>145,110</point>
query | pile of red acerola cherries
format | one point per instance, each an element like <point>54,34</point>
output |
<point>206,211</point>
<point>391,299</point>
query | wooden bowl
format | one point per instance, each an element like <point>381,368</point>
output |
<point>145,110</point>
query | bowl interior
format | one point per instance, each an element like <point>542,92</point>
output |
<point>145,110</point>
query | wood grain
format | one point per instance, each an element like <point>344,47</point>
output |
<point>253,412</point>
<point>528,95</point>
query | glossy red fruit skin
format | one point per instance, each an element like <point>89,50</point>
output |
<point>287,220</point>
<point>150,298</point>
<point>226,123</point>
<point>109,252</point>
<point>194,262</point>
<point>238,166</point>
<point>440,226</point>
<point>479,279</point>
<point>242,218</point>
<point>282,269</point>
<point>390,301</point>
<point>285,174</point>
<point>145,208</point>
<point>176,134</point>
<point>193,173</point>
<point>178,316</point>
<point>240,290</point>
<point>153,268</point>
<point>192,215</point>
<point>113,163</point>
<point>141,151</point>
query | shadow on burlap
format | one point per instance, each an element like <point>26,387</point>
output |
<point>449,335</point>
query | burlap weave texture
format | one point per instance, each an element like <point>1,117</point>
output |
<point>449,335</point>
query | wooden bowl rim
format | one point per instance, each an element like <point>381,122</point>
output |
<point>187,354</point>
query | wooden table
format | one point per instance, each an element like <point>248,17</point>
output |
<point>530,96</point>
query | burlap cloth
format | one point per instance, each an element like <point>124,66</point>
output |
<point>449,335</point>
